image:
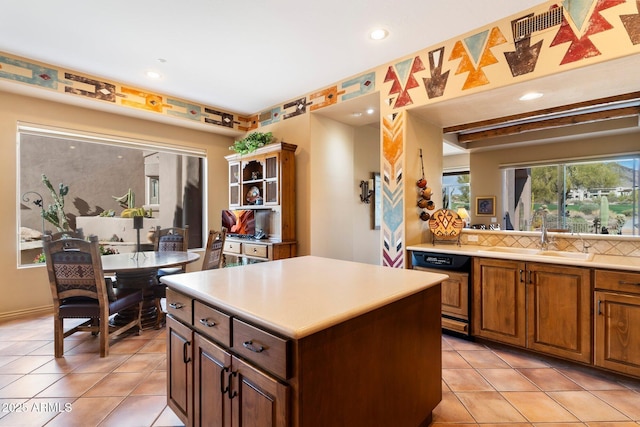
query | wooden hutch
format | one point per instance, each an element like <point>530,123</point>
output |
<point>264,181</point>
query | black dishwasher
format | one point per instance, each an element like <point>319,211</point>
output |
<point>456,290</point>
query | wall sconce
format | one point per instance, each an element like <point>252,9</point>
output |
<point>366,191</point>
<point>463,214</point>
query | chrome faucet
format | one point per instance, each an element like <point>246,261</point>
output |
<point>585,245</point>
<point>544,237</point>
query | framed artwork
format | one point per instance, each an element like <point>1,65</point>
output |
<point>486,206</point>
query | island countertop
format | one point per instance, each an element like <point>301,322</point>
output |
<point>297,297</point>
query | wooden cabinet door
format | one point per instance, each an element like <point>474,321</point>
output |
<point>180,370</point>
<point>257,399</point>
<point>499,300</point>
<point>212,407</point>
<point>617,335</point>
<point>559,311</point>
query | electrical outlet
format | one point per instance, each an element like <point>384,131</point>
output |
<point>472,238</point>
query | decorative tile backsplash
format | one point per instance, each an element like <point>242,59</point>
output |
<point>598,244</point>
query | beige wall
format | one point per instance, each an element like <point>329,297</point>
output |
<point>425,136</point>
<point>27,289</point>
<point>367,242</point>
<point>486,177</point>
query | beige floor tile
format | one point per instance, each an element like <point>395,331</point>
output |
<point>155,346</point>
<point>587,407</point>
<point>465,380</point>
<point>72,385</point>
<point>7,359</point>
<point>8,379</point>
<point>63,365</point>
<point>521,360</point>
<point>127,346</point>
<point>116,384</point>
<point>86,411</point>
<point>548,379</point>
<point>537,407</point>
<point>155,384</point>
<point>21,348</point>
<point>141,362</point>
<point>128,413</point>
<point>452,360</point>
<point>28,386</point>
<point>25,364</point>
<point>101,364</point>
<point>450,410</point>
<point>490,407</point>
<point>625,401</point>
<point>168,418</point>
<point>507,380</point>
<point>462,344</point>
<point>482,359</point>
<point>590,380</point>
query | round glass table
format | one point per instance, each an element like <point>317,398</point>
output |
<point>139,270</point>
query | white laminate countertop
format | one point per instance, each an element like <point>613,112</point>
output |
<point>297,297</point>
<point>628,263</point>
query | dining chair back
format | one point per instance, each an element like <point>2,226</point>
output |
<point>80,290</point>
<point>71,234</point>
<point>171,239</point>
<point>213,257</point>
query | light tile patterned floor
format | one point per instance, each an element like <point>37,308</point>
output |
<point>482,385</point>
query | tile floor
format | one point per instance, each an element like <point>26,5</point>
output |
<point>482,385</point>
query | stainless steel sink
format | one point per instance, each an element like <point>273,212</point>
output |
<point>538,252</point>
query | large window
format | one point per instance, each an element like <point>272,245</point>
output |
<point>591,196</point>
<point>95,171</point>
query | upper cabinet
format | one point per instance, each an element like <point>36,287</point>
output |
<point>265,180</point>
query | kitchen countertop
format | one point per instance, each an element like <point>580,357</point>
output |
<point>299,296</point>
<point>628,263</point>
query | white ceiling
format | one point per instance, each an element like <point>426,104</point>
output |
<point>239,55</point>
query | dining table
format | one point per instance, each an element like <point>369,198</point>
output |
<point>139,270</point>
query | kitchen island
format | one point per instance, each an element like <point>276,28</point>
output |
<point>304,342</point>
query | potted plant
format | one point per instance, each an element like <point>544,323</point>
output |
<point>252,142</point>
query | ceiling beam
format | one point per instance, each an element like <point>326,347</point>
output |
<point>541,114</point>
<point>549,123</point>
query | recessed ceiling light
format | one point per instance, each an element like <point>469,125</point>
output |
<point>356,114</point>
<point>153,74</point>
<point>370,110</point>
<point>379,34</point>
<point>531,96</point>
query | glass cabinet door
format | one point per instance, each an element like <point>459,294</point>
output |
<point>271,180</point>
<point>234,184</point>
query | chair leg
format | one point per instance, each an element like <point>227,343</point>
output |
<point>58,336</point>
<point>104,336</point>
<point>160,316</point>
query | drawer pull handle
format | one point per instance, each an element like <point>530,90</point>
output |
<point>223,389</point>
<point>185,352</point>
<point>235,393</point>
<point>176,305</point>
<point>208,323</point>
<point>249,346</point>
<point>624,282</point>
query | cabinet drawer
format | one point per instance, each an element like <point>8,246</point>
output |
<point>255,250</point>
<point>179,306</point>
<point>617,281</point>
<point>212,322</point>
<point>232,247</point>
<point>264,349</point>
